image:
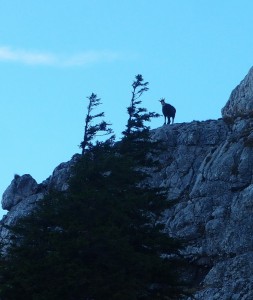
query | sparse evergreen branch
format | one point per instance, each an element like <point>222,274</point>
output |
<point>92,131</point>
<point>136,138</point>
<point>138,83</point>
<point>138,115</point>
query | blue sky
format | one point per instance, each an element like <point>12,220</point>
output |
<point>55,53</point>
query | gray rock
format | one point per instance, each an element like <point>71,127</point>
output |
<point>61,175</point>
<point>213,182</point>
<point>240,102</point>
<point>230,278</point>
<point>20,188</point>
<point>23,193</point>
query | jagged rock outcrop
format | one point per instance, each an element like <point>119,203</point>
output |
<point>240,102</point>
<point>20,188</point>
<point>23,193</point>
<point>207,167</point>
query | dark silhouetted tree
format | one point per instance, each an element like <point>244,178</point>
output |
<point>92,131</point>
<point>136,138</point>
<point>138,115</point>
<point>103,238</point>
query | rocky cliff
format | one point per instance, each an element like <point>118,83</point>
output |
<point>207,167</point>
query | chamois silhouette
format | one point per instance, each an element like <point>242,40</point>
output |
<point>168,110</point>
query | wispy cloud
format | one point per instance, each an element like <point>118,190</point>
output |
<point>8,54</point>
<point>26,57</point>
<point>90,57</point>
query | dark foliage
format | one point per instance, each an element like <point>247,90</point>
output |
<point>136,140</point>
<point>92,131</point>
<point>101,239</point>
<point>138,115</point>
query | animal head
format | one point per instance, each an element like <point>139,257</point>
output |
<point>162,101</point>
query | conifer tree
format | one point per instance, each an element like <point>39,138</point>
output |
<point>138,115</point>
<point>92,131</point>
<point>103,238</point>
<point>136,137</point>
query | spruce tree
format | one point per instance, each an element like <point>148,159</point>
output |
<point>137,116</point>
<point>103,238</point>
<point>137,135</point>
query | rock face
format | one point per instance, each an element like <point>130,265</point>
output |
<point>23,193</point>
<point>207,167</point>
<point>20,188</point>
<point>240,102</point>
